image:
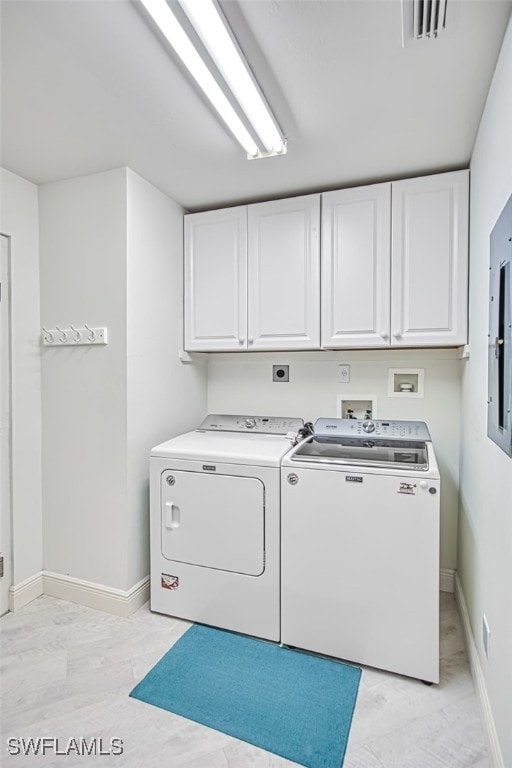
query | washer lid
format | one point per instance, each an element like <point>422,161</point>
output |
<point>369,452</point>
<point>226,447</point>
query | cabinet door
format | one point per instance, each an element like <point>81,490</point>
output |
<point>216,280</point>
<point>430,260</point>
<point>355,266</point>
<point>284,274</point>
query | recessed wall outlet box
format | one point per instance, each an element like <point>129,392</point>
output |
<point>280,373</point>
<point>406,382</point>
<point>486,635</point>
<point>344,373</point>
<point>356,406</point>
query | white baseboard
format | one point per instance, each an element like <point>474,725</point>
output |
<point>25,591</point>
<point>447,580</point>
<point>116,601</point>
<point>108,599</point>
<point>478,678</point>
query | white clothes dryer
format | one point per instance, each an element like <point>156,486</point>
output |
<point>360,554</point>
<point>215,523</point>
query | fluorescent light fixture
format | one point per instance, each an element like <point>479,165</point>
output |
<point>206,19</point>
<point>211,28</point>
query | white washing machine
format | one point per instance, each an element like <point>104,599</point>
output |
<point>360,555</point>
<point>215,523</point>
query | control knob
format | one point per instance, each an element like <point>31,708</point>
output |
<point>250,423</point>
<point>368,425</point>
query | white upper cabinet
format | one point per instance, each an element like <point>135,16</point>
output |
<point>395,263</point>
<point>284,274</point>
<point>356,242</point>
<point>252,277</point>
<point>394,269</point>
<point>429,273</point>
<point>216,280</point>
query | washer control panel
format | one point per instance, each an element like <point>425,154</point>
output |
<point>377,428</point>
<point>262,425</point>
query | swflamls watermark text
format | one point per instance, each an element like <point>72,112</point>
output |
<point>51,745</point>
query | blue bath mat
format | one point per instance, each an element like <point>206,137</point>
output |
<point>290,703</point>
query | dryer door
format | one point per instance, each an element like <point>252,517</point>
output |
<point>213,521</point>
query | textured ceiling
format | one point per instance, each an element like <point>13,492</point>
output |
<point>87,86</point>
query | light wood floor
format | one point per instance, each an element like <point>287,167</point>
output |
<point>67,671</point>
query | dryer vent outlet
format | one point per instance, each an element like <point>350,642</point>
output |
<point>280,373</point>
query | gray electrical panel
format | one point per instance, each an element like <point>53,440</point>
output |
<point>499,408</point>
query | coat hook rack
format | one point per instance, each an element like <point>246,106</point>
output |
<point>73,336</point>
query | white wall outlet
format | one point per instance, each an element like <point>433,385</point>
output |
<point>344,373</point>
<point>486,636</point>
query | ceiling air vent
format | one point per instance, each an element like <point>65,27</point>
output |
<point>427,19</point>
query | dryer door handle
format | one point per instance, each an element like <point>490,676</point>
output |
<point>172,515</point>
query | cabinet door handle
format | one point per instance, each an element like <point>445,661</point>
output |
<point>384,334</point>
<point>240,341</point>
<point>397,334</point>
<point>250,340</point>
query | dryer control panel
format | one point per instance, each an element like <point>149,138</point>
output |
<point>385,430</point>
<point>262,425</point>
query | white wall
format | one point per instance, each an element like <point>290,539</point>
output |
<point>19,220</point>
<point>485,527</point>
<point>165,396</point>
<point>111,255</point>
<point>83,279</point>
<point>242,383</point>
